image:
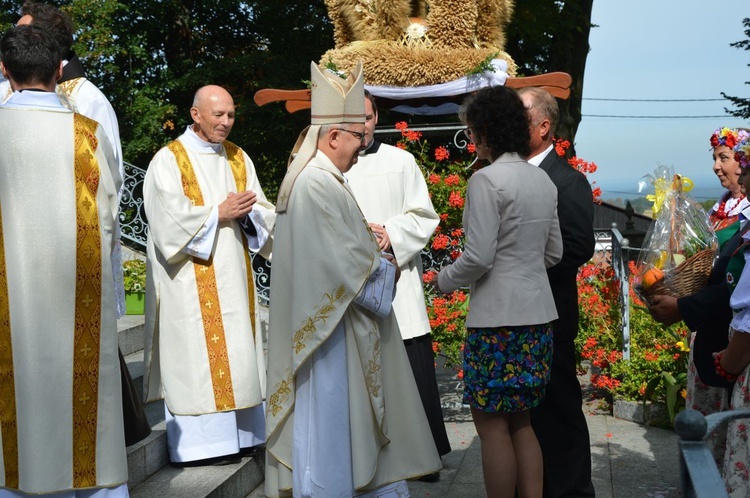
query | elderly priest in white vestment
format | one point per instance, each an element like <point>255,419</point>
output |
<point>60,406</point>
<point>343,412</point>
<point>203,353</point>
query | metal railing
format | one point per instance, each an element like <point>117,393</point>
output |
<point>134,226</point>
<point>614,249</point>
<point>699,476</point>
<point>133,223</point>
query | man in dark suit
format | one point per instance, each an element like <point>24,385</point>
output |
<point>559,422</point>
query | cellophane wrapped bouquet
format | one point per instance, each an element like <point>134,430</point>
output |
<point>680,248</point>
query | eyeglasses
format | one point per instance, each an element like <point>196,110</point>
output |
<point>358,135</point>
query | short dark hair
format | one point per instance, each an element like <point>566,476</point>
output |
<point>498,116</point>
<point>30,54</point>
<point>53,20</point>
<point>371,98</point>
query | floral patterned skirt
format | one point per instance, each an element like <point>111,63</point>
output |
<point>506,369</point>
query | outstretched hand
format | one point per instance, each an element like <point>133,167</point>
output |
<point>237,205</point>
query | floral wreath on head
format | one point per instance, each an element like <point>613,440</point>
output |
<point>727,137</point>
<point>742,150</point>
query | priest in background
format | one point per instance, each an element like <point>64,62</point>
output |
<point>392,193</point>
<point>343,412</point>
<point>204,351</point>
<point>77,92</point>
<point>61,411</point>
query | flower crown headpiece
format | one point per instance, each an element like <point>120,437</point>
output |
<point>742,151</point>
<point>728,137</point>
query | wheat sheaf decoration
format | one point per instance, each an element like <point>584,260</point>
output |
<point>418,43</point>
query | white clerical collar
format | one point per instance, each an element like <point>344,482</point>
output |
<point>195,143</point>
<point>36,100</point>
<point>537,159</point>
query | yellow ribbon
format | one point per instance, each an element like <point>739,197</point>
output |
<point>662,186</point>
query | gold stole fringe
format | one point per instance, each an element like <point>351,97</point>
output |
<point>8,415</point>
<point>88,303</point>
<point>205,275</point>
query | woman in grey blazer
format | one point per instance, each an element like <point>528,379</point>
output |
<point>512,237</point>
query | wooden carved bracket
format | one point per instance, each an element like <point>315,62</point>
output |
<point>557,84</point>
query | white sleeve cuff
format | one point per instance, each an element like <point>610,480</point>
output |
<point>202,244</point>
<point>741,321</point>
<point>255,242</point>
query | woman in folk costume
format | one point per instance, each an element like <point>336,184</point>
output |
<point>734,362</point>
<point>707,312</point>
<point>343,412</point>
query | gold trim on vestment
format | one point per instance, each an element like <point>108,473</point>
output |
<point>65,92</point>
<point>373,367</point>
<point>208,296</point>
<point>237,163</point>
<point>88,304</point>
<point>308,328</point>
<point>8,414</point>
<point>281,393</point>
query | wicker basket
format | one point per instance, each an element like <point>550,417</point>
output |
<point>686,278</point>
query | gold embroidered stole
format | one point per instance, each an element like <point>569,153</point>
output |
<point>205,275</point>
<point>8,414</point>
<point>88,302</point>
<point>237,163</point>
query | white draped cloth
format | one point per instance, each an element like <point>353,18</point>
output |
<point>343,412</point>
<point>461,86</point>
<point>67,421</point>
<point>391,191</point>
<point>177,355</point>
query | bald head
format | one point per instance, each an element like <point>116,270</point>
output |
<point>212,113</point>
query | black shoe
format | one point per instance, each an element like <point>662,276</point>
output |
<point>222,460</point>
<point>252,450</point>
<point>434,477</point>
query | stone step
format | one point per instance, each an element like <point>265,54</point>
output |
<point>130,333</point>
<point>219,481</point>
<point>149,471</point>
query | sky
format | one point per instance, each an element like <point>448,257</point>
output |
<point>660,49</point>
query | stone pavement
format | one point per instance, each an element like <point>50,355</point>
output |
<point>629,460</point>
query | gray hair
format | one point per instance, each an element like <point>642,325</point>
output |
<point>544,106</point>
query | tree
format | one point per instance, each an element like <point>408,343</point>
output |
<point>742,104</point>
<point>149,58</point>
<point>553,35</point>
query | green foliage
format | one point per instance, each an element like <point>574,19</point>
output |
<point>483,67</point>
<point>742,104</point>
<point>149,58</point>
<point>134,275</point>
<point>657,369</point>
<point>553,35</point>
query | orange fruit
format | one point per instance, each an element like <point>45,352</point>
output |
<point>651,276</point>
